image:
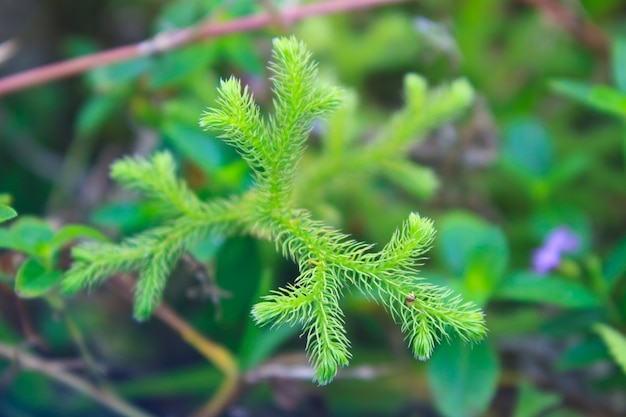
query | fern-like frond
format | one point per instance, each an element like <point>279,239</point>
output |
<point>327,343</point>
<point>238,117</point>
<point>299,99</point>
<point>155,252</point>
<point>157,179</point>
<point>329,260</point>
<point>425,109</point>
<point>152,253</point>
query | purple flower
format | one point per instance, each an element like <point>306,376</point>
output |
<point>559,241</point>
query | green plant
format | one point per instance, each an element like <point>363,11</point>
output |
<point>6,211</point>
<point>329,260</point>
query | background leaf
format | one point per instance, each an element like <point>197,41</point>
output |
<point>615,341</point>
<point>72,232</point>
<point>532,403</point>
<point>33,280</point>
<point>600,97</point>
<point>618,62</point>
<point>528,287</point>
<point>6,213</point>
<point>463,378</point>
<point>475,251</point>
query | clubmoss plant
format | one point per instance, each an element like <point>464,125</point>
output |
<point>329,260</point>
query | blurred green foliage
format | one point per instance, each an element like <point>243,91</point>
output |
<point>543,148</point>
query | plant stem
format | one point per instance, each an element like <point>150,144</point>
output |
<point>52,370</point>
<point>214,352</point>
<point>174,39</point>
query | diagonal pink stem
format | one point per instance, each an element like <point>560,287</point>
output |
<point>173,39</point>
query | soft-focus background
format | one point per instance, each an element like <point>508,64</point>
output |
<point>530,207</point>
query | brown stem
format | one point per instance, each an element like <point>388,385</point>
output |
<point>52,370</point>
<point>174,39</point>
<point>212,351</point>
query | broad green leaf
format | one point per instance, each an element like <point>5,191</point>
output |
<point>572,89</point>
<point>582,354</point>
<point>528,287</point>
<point>241,279</point>
<point>32,236</point>
<point>113,76</point>
<point>97,110</point>
<point>462,378</point>
<point>205,151</point>
<point>615,341</point>
<point>460,234</point>
<point>601,97</point>
<point>615,264</point>
<point>517,322</point>
<point>9,241</point>
<point>177,66</point>
<point>567,322</point>
<point>531,402</point>
<point>618,61</point>
<point>126,216</point>
<point>34,389</point>
<point>178,14</point>
<point>259,343</point>
<point>528,148</point>
<point>568,170</point>
<point>474,250</point>
<point>239,51</point>
<point>33,280</point>
<point>609,100</point>
<point>71,232</point>
<point>6,213</point>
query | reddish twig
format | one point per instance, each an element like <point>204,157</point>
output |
<point>174,39</point>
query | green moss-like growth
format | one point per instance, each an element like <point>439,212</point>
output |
<point>329,261</point>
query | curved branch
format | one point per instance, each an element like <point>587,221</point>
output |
<point>221,357</point>
<point>52,370</point>
<point>175,39</point>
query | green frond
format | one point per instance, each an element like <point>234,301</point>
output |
<point>327,343</point>
<point>426,312</point>
<point>93,263</point>
<point>153,253</point>
<point>329,260</point>
<point>408,244</point>
<point>299,99</point>
<point>424,110</point>
<point>152,279</point>
<point>238,117</point>
<point>157,179</point>
<point>419,181</point>
<point>287,305</point>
